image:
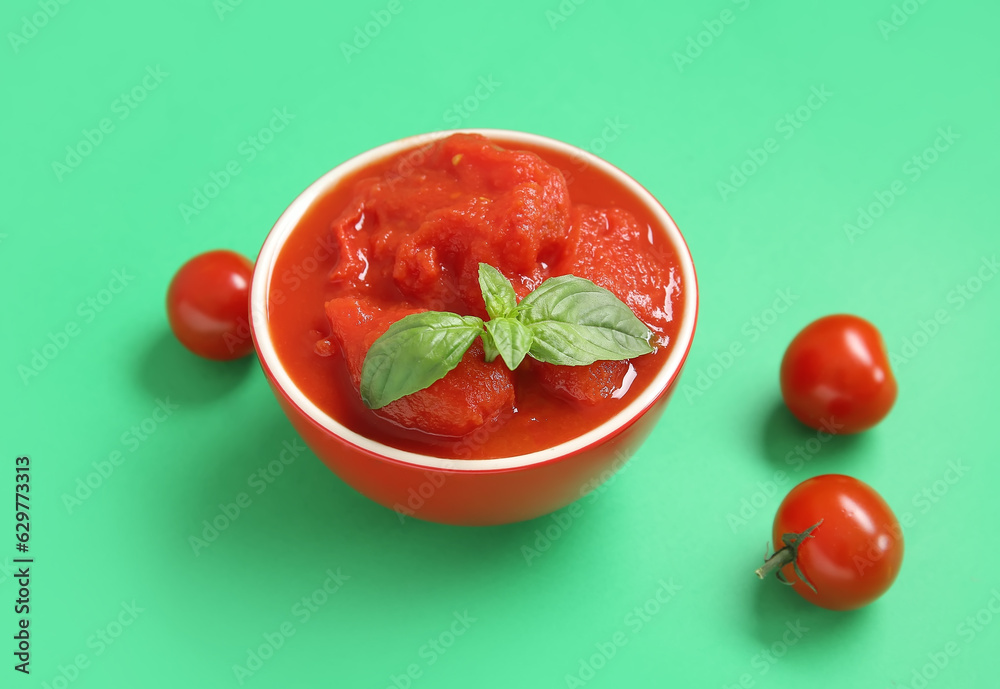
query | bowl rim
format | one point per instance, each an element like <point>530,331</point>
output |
<point>264,272</point>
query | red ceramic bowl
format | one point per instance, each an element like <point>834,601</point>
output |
<point>485,491</point>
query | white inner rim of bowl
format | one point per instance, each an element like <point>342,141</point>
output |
<point>264,272</point>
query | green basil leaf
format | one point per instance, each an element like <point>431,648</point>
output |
<point>498,293</point>
<point>414,352</point>
<point>511,338</point>
<point>574,322</point>
<point>490,350</point>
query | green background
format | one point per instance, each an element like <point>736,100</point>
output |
<point>674,514</point>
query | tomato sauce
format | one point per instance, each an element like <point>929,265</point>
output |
<point>406,234</point>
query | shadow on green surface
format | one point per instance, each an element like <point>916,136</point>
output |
<point>302,519</point>
<point>782,620</point>
<point>792,446</point>
<point>167,367</point>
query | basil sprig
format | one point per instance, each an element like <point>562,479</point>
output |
<point>568,321</point>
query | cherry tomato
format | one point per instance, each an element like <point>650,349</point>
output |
<point>835,375</point>
<point>208,305</point>
<point>840,544</point>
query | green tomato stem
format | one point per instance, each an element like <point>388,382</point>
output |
<point>775,562</point>
<point>788,555</point>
